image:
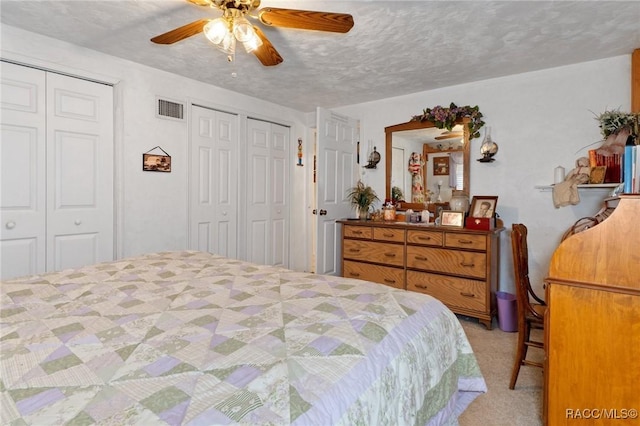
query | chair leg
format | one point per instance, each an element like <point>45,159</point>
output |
<point>521,351</point>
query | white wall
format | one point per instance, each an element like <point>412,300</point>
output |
<point>152,207</point>
<point>540,120</point>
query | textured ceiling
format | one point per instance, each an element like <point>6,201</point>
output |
<point>394,48</point>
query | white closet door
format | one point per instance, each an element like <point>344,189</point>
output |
<point>22,171</point>
<point>213,185</point>
<point>80,224</point>
<point>267,193</point>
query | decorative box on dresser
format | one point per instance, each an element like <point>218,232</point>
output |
<point>592,323</point>
<point>458,266</point>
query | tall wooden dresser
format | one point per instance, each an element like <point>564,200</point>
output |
<point>458,266</point>
<point>592,325</point>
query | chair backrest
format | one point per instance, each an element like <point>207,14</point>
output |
<point>521,271</point>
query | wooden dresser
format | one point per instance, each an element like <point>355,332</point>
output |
<point>592,325</point>
<point>458,266</point>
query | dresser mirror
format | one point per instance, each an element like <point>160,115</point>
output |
<point>439,161</point>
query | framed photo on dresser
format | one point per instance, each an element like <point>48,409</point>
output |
<point>483,206</point>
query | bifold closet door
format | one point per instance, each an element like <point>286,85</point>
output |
<point>80,225</point>
<point>213,221</point>
<point>267,195</point>
<point>22,171</point>
<point>57,172</point>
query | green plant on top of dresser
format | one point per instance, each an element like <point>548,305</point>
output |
<point>362,197</point>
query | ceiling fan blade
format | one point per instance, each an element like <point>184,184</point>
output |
<point>181,33</point>
<point>200,2</point>
<point>267,54</point>
<point>306,19</point>
<point>449,136</point>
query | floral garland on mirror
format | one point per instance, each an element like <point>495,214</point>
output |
<point>445,118</point>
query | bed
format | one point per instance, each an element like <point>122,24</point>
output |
<point>193,338</point>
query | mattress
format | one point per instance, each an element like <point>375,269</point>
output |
<point>192,338</point>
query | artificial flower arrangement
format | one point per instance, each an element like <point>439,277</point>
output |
<point>445,118</point>
<point>615,121</point>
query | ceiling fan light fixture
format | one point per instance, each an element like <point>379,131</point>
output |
<point>253,43</point>
<point>216,30</point>
<point>243,30</point>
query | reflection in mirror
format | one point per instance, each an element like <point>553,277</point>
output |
<point>426,163</point>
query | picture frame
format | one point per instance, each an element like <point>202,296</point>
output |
<point>597,174</point>
<point>156,163</point>
<point>452,218</point>
<point>440,166</point>
<point>483,206</point>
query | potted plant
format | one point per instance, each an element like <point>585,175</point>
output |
<point>396,194</point>
<point>362,197</point>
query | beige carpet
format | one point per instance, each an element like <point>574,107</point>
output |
<point>495,350</point>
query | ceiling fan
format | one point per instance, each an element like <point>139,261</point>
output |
<point>233,26</point>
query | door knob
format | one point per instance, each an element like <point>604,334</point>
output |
<point>323,212</point>
<point>10,225</point>
<point>77,221</point>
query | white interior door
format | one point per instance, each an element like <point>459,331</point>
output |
<point>267,238</point>
<point>80,221</point>
<point>336,173</point>
<point>22,171</point>
<point>213,224</point>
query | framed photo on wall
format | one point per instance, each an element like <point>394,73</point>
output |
<point>483,206</point>
<point>156,163</point>
<point>440,166</point>
<point>452,218</point>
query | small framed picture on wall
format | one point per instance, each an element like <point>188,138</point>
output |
<point>440,166</point>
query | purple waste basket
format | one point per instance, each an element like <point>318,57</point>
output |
<point>507,311</point>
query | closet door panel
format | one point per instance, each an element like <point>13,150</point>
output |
<point>22,171</point>
<point>213,205</point>
<point>79,173</point>
<point>279,195</point>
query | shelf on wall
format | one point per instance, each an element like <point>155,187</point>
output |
<point>601,186</point>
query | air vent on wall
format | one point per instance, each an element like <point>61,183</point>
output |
<point>170,109</point>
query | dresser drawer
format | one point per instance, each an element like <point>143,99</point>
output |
<point>430,238</point>
<point>457,262</point>
<point>393,277</point>
<point>385,253</point>
<point>351,231</point>
<point>388,234</point>
<point>467,241</point>
<point>452,291</point>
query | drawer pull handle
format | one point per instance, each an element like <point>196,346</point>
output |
<point>390,254</point>
<point>425,238</point>
<point>468,265</point>
<point>421,258</point>
<point>465,241</point>
<point>422,286</point>
<point>354,274</point>
<point>387,280</point>
<point>357,232</point>
<point>354,250</point>
<point>467,294</point>
<point>388,235</point>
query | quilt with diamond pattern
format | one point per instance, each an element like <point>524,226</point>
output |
<point>191,338</point>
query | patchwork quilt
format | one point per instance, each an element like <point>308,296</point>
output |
<point>191,338</point>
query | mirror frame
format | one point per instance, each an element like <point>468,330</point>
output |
<point>414,125</point>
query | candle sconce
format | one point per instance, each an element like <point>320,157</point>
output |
<point>374,159</point>
<point>488,149</point>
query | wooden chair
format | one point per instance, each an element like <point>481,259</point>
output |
<point>530,314</point>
